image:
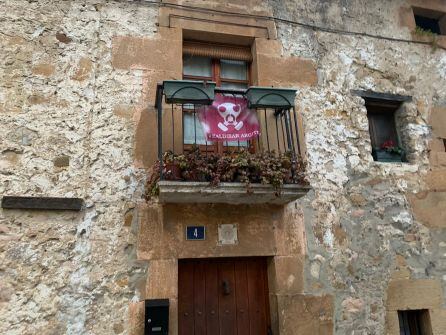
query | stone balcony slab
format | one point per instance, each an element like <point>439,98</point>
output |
<point>228,193</point>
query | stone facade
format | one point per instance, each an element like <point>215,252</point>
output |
<point>77,119</point>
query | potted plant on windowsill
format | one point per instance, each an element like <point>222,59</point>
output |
<point>389,152</point>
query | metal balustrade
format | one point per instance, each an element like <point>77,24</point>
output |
<point>279,127</point>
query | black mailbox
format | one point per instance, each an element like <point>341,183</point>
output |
<point>157,317</point>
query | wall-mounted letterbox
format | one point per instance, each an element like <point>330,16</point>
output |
<point>157,317</point>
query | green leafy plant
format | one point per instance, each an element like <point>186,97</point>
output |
<point>429,34</point>
<point>391,147</point>
<point>241,166</point>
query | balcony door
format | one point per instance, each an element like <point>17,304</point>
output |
<point>227,73</point>
<point>223,296</point>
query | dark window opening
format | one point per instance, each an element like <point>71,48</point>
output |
<point>428,24</point>
<point>431,21</point>
<point>415,322</point>
<point>386,145</point>
<point>444,143</point>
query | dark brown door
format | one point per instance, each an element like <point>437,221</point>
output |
<point>223,296</point>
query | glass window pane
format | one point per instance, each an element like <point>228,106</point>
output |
<point>197,66</point>
<point>233,69</point>
<point>242,144</point>
<point>234,85</point>
<point>190,127</point>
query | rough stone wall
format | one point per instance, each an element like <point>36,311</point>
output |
<point>62,134</point>
<point>68,120</point>
<point>359,220</point>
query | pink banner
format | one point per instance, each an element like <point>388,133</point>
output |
<point>229,119</point>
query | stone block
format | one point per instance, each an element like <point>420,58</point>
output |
<point>437,5</point>
<point>151,80</point>
<point>136,318</point>
<point>173,316</point>
<point>263,46</point>
<point>286,71</point>
<point>428,208</point>
<point>257,7</point>
<point>61,161</point>
<point>414,294</point>
<point>436,180</point>
<point>63,38</point>
<point>43,69</point>
<point>83,69</point>
<point>407,18</point>
<point>290,233</point>
<point>9,159</point>
<point>305,315</point>
<point>124,111</point>
<point>150,235</point>
<point>441,159</point>
<point>218,25</point>
<point>286,274</point>
<point>146,143</point>
<point>228,193</point>
<point>274,313</point>
<point>438,121</point>
<point>437,145</point>
<point>37,99</point>
<point>255,230</point>
<point>162,279</point>
<point>147,54</point>
<point>392,323</point>
<point>162,234</point>
<point>128,218</point>
<point>438,321</point>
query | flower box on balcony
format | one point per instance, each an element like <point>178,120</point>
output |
<point>189,91</point>
<point>269,97</point>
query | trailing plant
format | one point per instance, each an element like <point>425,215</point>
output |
<point>241,166</point>
<point>430,34</point>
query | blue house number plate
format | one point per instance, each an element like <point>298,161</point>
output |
<point>197,233</point>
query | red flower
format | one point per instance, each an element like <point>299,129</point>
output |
<point>388,144</point>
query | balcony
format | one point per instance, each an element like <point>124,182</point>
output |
<point>221,145</point>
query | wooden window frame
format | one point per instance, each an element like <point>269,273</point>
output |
<point>375,108</point>
<point>219,147</point>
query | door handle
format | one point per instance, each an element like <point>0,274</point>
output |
<point>226,287</point>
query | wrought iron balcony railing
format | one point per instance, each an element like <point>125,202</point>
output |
<point>192,161</point>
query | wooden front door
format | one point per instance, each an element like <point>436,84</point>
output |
<point>227,296</point>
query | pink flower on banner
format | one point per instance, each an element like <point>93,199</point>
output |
<point>229,119</point>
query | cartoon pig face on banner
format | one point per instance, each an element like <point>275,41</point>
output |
<point>229,119</point>
<point>229,112</point>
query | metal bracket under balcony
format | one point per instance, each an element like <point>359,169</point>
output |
<point>228,193</point>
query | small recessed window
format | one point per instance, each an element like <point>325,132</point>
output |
<point>430,21</point>
<point>386,145</point>
<point>415,322</point>
<point>444,143</point>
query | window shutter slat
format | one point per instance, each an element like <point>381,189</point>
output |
<point>219,51</point>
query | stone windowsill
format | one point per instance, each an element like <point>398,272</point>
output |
<point>227,193</point>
